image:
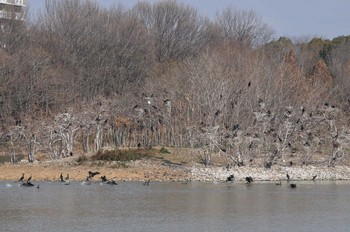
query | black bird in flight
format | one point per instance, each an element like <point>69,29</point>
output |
<point>92,174</point>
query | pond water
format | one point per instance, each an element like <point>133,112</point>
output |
<point>170,206</point>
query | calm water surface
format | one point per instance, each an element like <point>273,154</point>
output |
<point>131,206</point>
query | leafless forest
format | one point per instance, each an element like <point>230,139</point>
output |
<point>81,77</point>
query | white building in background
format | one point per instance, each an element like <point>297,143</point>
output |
<point>11,9</point>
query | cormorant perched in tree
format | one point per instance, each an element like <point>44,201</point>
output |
<point>249,179</point>
<point>22,178</point>
<point>292,185</point>
<point>235,127</point>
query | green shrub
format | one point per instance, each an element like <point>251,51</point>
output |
<point>4,159</point>
<point>81,159</point>
<point>120,155</point>
<point>163,150</point>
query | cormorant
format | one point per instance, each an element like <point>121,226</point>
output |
<point>61,178</point>
<point>292,185</point>
<point>22,178</point>
<point>92,174</point>
<point>314,177</point>
<point>146,182</point>
<point>104,178</point>
<point>230,178</point>
<point>66,181</point>
<point>249,179</point>
<point>28,184</point>
<point>29,178</point>
<point>112,182</point>
<point>288,177</point>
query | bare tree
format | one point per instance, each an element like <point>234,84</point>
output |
<point>243,27</point>
<point>177,30</point>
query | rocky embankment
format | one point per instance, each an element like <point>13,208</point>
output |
<point>276,173</point>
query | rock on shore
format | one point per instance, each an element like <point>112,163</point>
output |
<point>201,173</point>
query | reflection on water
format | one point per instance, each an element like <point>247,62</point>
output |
<point>131,206</point>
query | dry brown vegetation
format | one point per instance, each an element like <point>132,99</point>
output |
<point>81,78</point>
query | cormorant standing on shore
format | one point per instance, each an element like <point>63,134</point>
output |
<point>314,177</point>
<point>146,182</point>
<point>230,178</point>
<point>61,178</point>
<point>29,179</point>
<point>249,179</point>
<point>22,178</point>
<point>288,177</point>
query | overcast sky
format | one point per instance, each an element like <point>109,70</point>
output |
<point>298,18</point>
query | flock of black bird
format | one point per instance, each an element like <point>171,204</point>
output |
<point>27,182</point>
<point>105,180</point>
<point>66,181</point>
<point>249,180</point>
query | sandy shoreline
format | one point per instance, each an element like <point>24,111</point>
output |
<point>47,171</point>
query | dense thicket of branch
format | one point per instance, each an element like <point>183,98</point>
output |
<point>161,74</point>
